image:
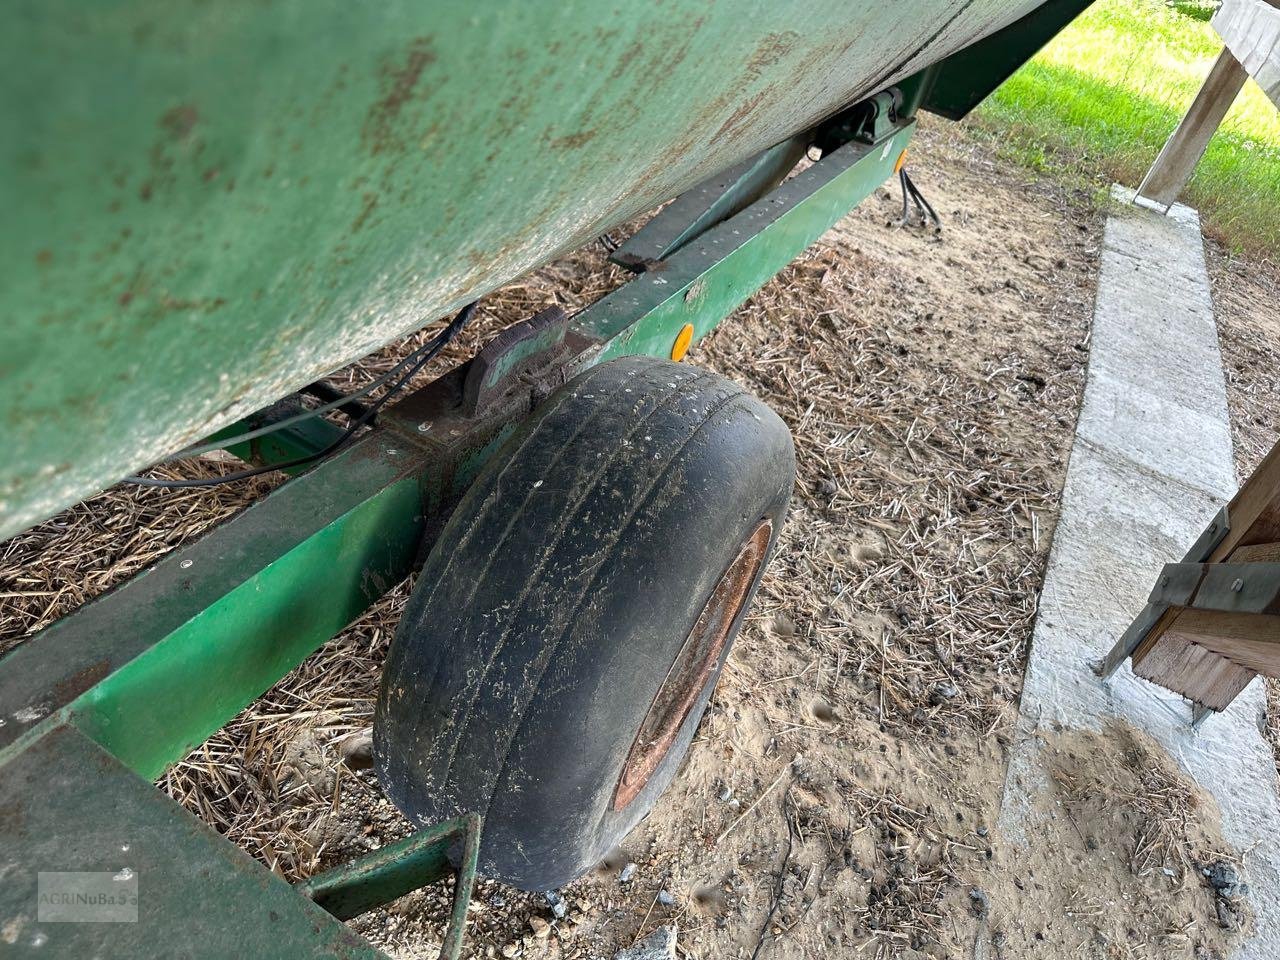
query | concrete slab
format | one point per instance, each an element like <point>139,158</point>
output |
<point>1155,374</point>
<point>1151,465</point>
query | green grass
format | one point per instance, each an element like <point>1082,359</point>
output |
<point>1103,97</point>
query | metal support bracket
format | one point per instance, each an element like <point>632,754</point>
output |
<point>869,122</point>
<point>880,119</point>
<point>400,868</point>
<point>1208,541</point>
<point>1239,588</point>
<point>1199,714</point>
<point>1176,586</point>
<point>528,358</point>
<point>299,440</point>
<point>711,202</point>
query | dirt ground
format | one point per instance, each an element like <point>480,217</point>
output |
<point>841,796</point>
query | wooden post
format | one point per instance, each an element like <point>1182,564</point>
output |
<point>1251,31</point>
<point>1169,174</point>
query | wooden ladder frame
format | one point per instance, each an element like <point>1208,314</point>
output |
<point>1213,621</point>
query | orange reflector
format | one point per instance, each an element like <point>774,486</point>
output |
<point>902,159</point>
<point>683,339</point>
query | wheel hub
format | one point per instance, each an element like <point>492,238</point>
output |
<point>692,667</point>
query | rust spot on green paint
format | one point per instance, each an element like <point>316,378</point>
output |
<point>13,818</point>
<point>739,116</point>
<point>772,48</point>
<point>177,143</point>
<point>624,61</point>
<point>171,304</point>
<point>370,201</point>
<point>67,689</point>
<point>179,121</point>
<point>399,85</point>
<point>573,141</point>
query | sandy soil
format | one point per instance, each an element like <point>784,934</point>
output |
<point>1246,302</point>
<point>841,796</point>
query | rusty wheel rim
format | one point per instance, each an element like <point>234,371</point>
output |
<point>693,666</point>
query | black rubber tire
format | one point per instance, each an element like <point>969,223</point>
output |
<point>554,603</point>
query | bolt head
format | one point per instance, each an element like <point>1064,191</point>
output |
<point>424,426</point>
<point>1237,586</point>
<point>185,564</point>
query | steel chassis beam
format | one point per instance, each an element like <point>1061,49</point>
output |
<point>710,202</point>
<point>102,701</point>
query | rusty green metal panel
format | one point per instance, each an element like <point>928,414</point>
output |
<point>208,205</point>
<point>69,806</point>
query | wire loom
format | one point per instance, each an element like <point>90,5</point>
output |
<point>911,192</point>
<point>414,362</point>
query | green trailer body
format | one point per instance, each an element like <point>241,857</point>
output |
<point>208,206</point>
<point>341,176</point>
<point>101,702</point>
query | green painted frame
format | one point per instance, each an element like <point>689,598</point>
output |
<point>209,206</point>
<point>222,619</point>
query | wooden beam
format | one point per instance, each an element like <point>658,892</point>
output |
<point>1254,512</point>
<point>1169,174</point>
<point>1184,666</point>
<point>1212,669</point>
<point>1258,552</point>
<point>1251,640</point>
<point>1211,655</point>
<point>1250,29</point>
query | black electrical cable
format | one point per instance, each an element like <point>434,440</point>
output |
<point>919,197</point>
<point>909,189</point>
<point>326,392</point>
<point>278,425</point>
<point>417,359</point>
